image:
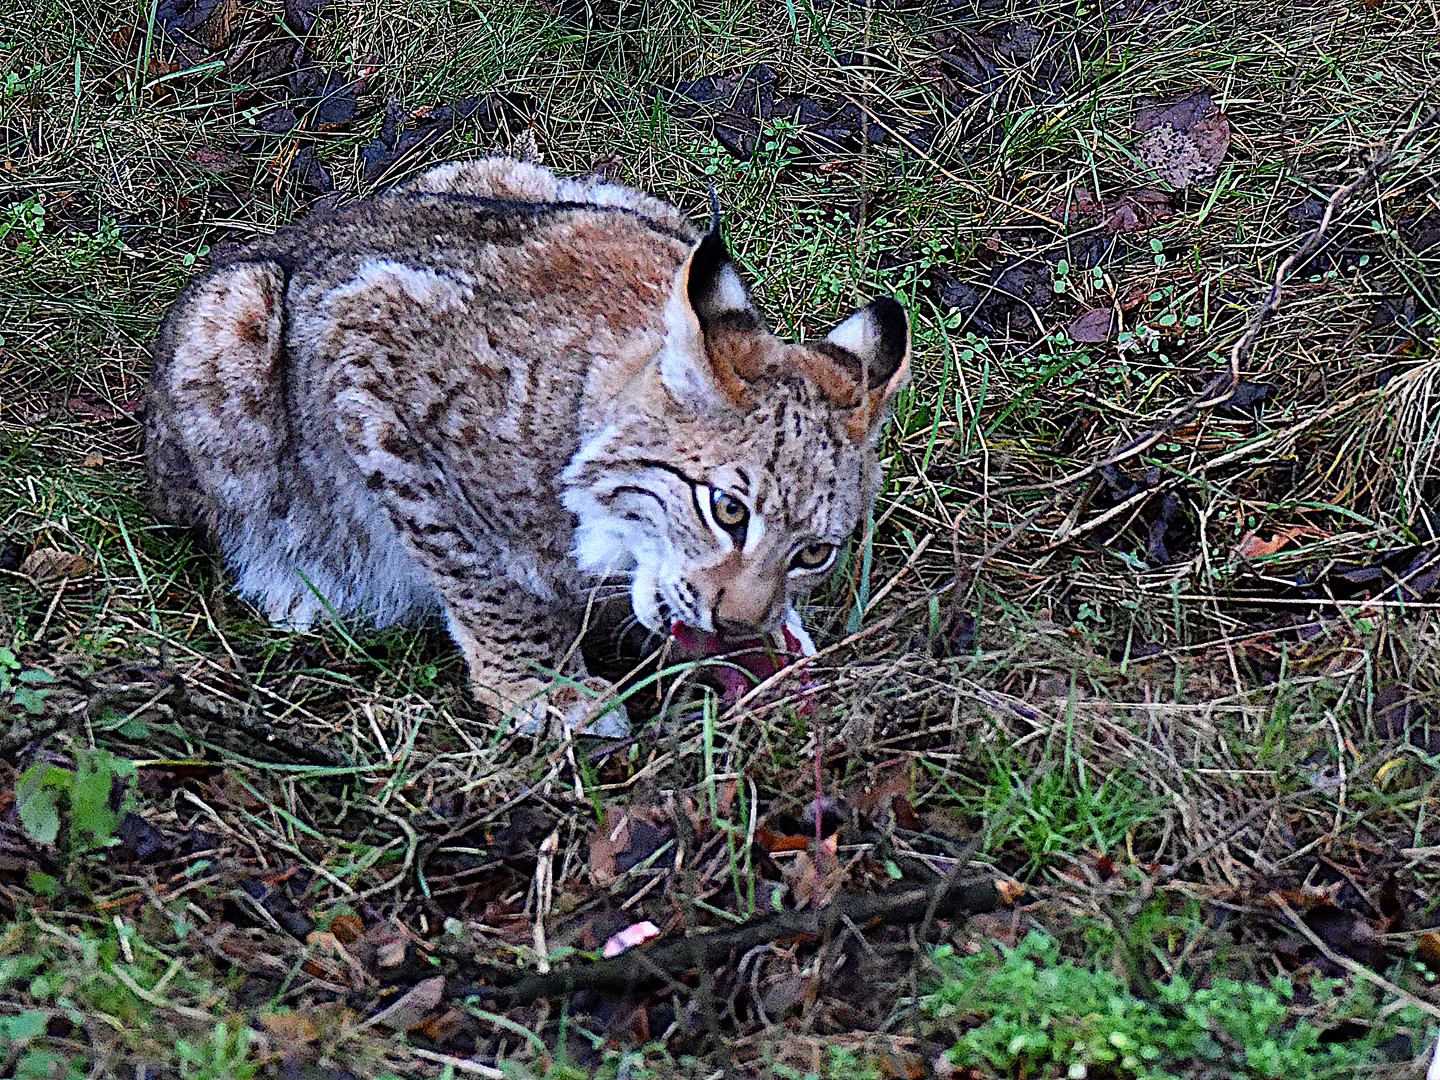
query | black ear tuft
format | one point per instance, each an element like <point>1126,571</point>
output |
<point>714,210</point>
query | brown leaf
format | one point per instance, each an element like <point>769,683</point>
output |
<point>47,564</point>
<point>103,408</point>
<point>611,837</point>
<point>506,924</point>
<point>1092,327</point>
<point>347,928</point>
<point>814,876</point>
<point>382,946</point>
<point>788,994</point>
<point>1132,299</point>
<point>218,161</point>
<point>905,816</point>
<point>1131,211</point>
<point>627,837</point>
<point>416,1003</point>
<point>1346,933</point>
<point>291,1029</point>
<point>440,1027</point>
<point>897,779</point>
<point>1427,950</point>
<point>331,961</point>
<point>773,841</point>
<point>1251,545</point>
<point>1182,142</point>
<point>1010,891</point>
<point>804,880</point>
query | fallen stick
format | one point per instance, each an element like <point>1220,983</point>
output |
<point>649,965</point>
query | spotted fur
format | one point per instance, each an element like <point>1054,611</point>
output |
<point>491,389</point>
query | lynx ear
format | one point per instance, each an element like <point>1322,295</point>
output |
<point>876,342</point>
<point>707,296</point>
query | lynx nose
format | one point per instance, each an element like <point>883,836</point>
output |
<point>744,608</point>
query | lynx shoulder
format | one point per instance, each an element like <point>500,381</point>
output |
<point>489,390</point>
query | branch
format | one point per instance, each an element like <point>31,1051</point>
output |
<point>652,964</point>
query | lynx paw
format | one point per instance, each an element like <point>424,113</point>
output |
<point>574,709</point>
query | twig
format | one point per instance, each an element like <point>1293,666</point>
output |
<point>469,1068</point>
<point>671,960</point>
<point>1356,969</point>
<point>183,701</point>
<point>158,1001</point>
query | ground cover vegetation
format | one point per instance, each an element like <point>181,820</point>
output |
<point>1136,665</point>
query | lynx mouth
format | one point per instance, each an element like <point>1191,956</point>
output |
<point>748,661</point>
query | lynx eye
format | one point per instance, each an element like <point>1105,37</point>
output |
<point>728,511</point>
<point>812,556</point>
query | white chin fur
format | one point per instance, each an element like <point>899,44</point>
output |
<point>792,623</point>
<point>644,601</point>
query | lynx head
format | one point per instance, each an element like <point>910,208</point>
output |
<point>735,467</point>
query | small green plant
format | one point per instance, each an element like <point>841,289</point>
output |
<point>20,686</point>
<point>1028,1012</point>
<point>46,793</point>
<point>27,220</point>
<point>89,977</point>
<point>23,225</point>
<point>224,1056</point>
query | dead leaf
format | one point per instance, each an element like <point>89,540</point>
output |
<point>804,880</point>
<point>331,961</point>
<point>47,564</point>
<point>1252,546</point>
<point>1347,933</point>
<point>1010,891</point>
<point>627,837</point>
<point>103,408</point>
<point>774,842</point>
<point>1092,327</point>
<point>382,946</point>
<point>414,1005</point>
<point>788,994</point>
<point>218,161</point>
<point>814,876</point>
<point>440,1027</point>
<point>290,1028</point>
<point>347,928</point>
<point>1182,142</point>
<point>1427,950</point>
<point>897,779</point>
<point>905,815</point>
<point>1129,212</point>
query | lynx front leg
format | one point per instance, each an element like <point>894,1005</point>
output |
<point>509,640</point>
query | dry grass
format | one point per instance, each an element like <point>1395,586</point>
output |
<point>1196,713</point>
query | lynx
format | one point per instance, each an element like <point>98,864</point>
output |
<point>488,392</point>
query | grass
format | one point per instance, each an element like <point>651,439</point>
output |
<point>1194,712</point>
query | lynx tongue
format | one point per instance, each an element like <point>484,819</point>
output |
<point>749,660</point>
